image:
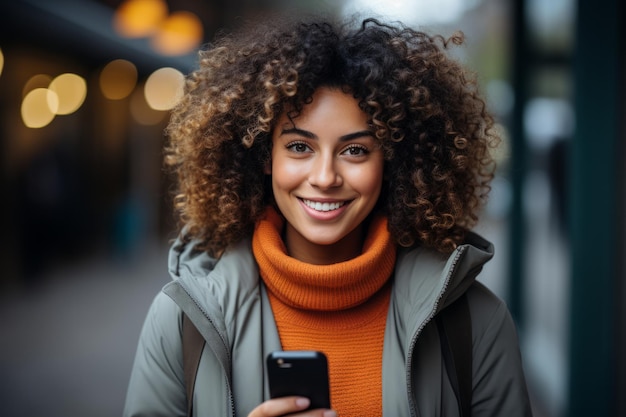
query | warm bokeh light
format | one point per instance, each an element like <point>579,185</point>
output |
<point>1,61</point>
<point>179,34</point>
<point>39,107</point>
<point>142,112</point>
<point>118,79</point>
<point>71,90</point>
<point>139,18</point>
<point>164,87</point>
<point>36,81</point>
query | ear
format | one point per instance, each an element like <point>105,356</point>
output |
<point>267,168</point>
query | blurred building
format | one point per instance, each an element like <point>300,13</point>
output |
<point>88,179</point>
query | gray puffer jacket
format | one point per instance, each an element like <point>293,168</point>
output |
<point>227,302</point>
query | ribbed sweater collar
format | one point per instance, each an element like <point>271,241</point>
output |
<point>323,287</point>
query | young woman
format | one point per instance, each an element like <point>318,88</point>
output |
<point>328,178</point>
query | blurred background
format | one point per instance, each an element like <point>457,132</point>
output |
<point>85,221</point>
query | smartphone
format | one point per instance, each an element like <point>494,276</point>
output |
<point>299,372</point>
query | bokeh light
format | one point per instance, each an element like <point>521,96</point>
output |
<point>118,79</point>
<point>142,112</point>
<point>39,107</point>
<point>179,34</point>
<point>164,88</point>
<point>139,18</point>
<point>36,81</point>
<point>71,90</point>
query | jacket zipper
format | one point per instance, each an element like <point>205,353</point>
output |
<point>206,315</point>
<point>412,405</point>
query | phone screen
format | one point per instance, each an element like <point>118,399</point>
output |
<point>302,373</point>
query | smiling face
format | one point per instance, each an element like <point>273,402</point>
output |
<point>327,171</point>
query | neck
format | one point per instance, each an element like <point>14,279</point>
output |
<point>303,250</point>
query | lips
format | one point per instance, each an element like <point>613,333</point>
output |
<point>325,206</point>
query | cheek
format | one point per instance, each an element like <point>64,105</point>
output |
<point>285,174</point>
<point>369,179</point>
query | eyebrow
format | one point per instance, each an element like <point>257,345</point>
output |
<point>311,135</point>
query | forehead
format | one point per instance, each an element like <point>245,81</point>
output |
<point>328,107</point>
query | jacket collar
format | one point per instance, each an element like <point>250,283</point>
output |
<point>427,281</point>
<point>422,274</point>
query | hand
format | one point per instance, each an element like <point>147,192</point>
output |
<point>292,406</point>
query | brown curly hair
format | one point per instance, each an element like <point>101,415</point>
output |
<point>424,107</point>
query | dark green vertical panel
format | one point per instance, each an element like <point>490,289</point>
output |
<point>620,325</point>
<point>595,155</point>
<point>517,227</point>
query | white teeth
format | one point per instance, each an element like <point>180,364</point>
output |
<point>323,206</point>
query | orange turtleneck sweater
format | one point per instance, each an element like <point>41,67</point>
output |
<point>339,309</point>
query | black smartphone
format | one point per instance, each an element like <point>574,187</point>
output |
<point>299,372</point>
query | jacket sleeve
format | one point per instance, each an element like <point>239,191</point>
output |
<point>499,384</point>
<point>156,386</point>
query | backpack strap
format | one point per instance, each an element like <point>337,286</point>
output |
<point>193,343</point>
<point>455,332</point>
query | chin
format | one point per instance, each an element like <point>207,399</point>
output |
<point>323,241</point>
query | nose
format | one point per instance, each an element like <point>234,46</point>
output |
<point>324,173</point>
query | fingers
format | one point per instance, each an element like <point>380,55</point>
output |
<point>289,406</point>
<point>280,407</point>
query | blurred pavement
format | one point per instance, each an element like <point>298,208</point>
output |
<point>67,346</point>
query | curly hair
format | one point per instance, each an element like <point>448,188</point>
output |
<point>424,108</point>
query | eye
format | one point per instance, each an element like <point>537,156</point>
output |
<point>356,150</point>
<point>298,147</point>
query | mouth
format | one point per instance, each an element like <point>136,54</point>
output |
<point>325,206</point>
